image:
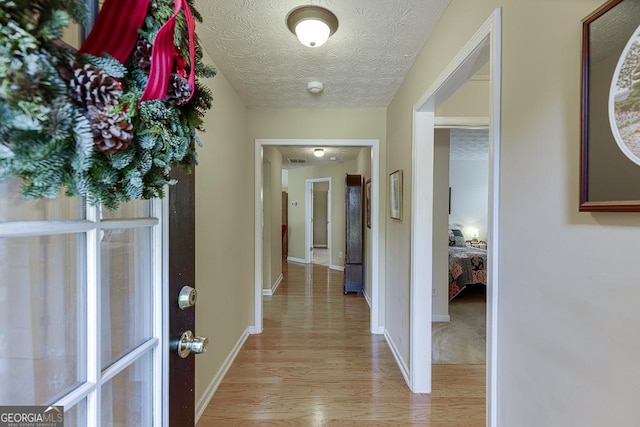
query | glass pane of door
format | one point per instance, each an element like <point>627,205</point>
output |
<point>42,329</point>
<point>127,287</point>
<point>76,416</point>
<point>79,304</point>
<point>132,209</point>
<point>14,207</point>
<point>126,399</point>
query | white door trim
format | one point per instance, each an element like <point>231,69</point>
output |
<point>377,235</point>
<point>308,214</point>
<point>486,42</point>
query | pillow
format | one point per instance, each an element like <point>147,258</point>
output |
<point>456,238</point>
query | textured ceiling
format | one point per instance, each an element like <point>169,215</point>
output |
<point>341,155</point>
<point>466,144</point>
<point>469,144</point>
<point>361,66</point>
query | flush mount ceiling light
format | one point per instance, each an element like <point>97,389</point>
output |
<point>318,152</point>
<point>312,24</point>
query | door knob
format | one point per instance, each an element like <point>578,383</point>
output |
<point>189,344</point>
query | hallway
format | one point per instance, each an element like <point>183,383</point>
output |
<point>317,364</point>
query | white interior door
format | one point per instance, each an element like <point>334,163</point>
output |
<point>310,220</point>
<point>81,297</point>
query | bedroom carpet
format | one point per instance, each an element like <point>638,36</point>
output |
<point>462,341</point>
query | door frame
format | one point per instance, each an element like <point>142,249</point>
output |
<point>92,226</point>
<point>486,42</point>
<point>308,214</point>
<point>377,228</point>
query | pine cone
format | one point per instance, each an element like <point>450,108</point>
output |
<point>111,131</point>
<point>178,91</point>
<point>142,55</point>
<point>89,85</point>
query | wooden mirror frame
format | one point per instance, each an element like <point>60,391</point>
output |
<point>587,205</point>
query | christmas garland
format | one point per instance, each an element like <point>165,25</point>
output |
<point>108,126</point>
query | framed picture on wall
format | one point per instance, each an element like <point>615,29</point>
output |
<point>367,197</point>
<point>395,190</point>
<point>610,125</point>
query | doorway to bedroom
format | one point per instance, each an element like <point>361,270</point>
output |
<point>459,306</point>
<point>429,222</point>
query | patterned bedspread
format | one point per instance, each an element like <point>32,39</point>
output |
<point>466,266</point>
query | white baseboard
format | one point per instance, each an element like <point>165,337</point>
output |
<point>336,267</point>
<point>253,330</point>
<point>396,354</point>
<point>298,260</point>
<point>441,318</point>
<point>366,296</point>
<point>380,331</point>
<point>273,287</point>
<point>202,403</point>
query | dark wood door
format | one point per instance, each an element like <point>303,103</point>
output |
<point>181,273</point>
<point>354,244</point>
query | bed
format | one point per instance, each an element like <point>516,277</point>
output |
<point>467,265</point>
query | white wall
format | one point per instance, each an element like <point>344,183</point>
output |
<point>469,181</point>
<point>567,306</point>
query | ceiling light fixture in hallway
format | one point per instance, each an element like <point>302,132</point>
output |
<point>312,24</point>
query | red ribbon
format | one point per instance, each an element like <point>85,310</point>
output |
<point>116,32</point>
<point>164,53</point>
<point>116,28</point>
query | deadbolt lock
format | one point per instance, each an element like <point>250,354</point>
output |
<point>187,297</point>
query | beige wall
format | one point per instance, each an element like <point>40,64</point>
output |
<point>272,187</point>
<point>224,231</point>
<point>363,167</point>
<point>441,149</point>
<point>297,179</point>
<point>71,35</point>
<point>320,205</point>
<point>266,224</point>
<point>471,100</point>
<point>567,310</point>
<point>315,123</point>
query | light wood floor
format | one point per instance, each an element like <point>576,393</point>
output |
<point>316,364</point>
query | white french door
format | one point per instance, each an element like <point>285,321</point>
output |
<point>82,294</point>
